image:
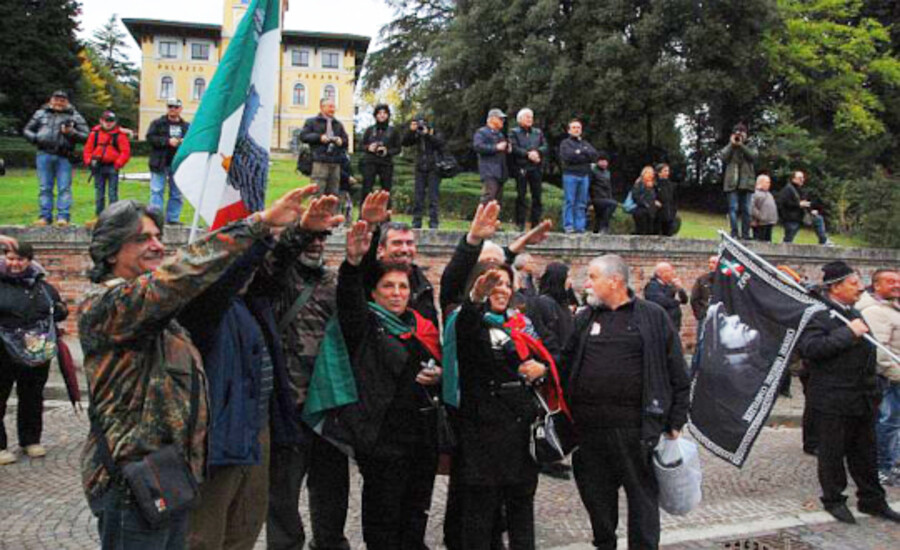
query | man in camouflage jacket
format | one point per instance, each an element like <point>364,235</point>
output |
<point>139,361</point>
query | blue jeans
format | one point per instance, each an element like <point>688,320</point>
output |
<point>575,193</point>
<point>887,429</point>
<point>121,525</point>
<point>105,178</point>
<point>52,168</point>
<point>792,228</point>
<point>158,191</point>
<point>739,202</point>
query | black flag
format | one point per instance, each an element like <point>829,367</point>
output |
<point>745,344</point>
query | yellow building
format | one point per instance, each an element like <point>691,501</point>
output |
<point>178,59</point>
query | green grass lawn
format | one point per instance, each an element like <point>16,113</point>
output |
<point>19,200</point>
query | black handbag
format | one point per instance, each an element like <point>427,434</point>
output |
<point>161,483</point>
<point>553,435</point>
<point>33,346</point>
<point>446,164</point>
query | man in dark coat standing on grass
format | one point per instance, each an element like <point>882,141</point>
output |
<point>842,393</point>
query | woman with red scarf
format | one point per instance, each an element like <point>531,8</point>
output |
<point>500,363</point>
<point>393,352</point>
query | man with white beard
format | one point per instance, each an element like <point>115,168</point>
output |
<point>627,384</point>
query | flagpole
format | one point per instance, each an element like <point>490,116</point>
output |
<point>790,280</point>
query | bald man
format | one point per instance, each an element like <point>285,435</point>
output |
<point>665,290</point>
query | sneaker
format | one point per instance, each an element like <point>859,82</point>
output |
<point>91,223</point>
<point>35,451</point>
<point>828,242</point>
<point>6,457</point>
<point>888,479</point>
<point>40,222</point>
<point>61,223</point>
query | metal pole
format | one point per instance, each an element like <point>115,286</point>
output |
<point>789,280</point>
<point>196,221</point>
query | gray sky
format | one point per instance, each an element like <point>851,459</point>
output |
<point>363,17</point>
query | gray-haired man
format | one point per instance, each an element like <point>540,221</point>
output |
<point>492,148</point>
<point>627,385</point>
<point>529,147</point>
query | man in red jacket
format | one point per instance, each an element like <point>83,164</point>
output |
<point>106,151</point>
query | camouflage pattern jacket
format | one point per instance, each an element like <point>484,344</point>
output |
<point>138,359</point>
<point>286,278</point>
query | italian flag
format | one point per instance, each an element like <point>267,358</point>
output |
<point>223,165</point>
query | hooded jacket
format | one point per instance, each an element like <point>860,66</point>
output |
<point>44,130</point>
<point>109,147</point>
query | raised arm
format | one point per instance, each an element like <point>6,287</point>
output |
<point>351,297</point>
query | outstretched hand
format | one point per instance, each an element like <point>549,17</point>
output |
<point>320,216</point>
<point>288,208</point>
<point>535,235</point>
<point>359,239</point>
<point>485,223</point>
<point>485,284</point>
<point>374,208</point>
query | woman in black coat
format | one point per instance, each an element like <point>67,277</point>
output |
<point>665,193</point>
<point>646,216</point>
<point>551,311</point>
<point>25,300</point>
<point>493,466</point>
<point>392,427</point>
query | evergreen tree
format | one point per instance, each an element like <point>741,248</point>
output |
<point>38,54</point>
<point>109,43</point>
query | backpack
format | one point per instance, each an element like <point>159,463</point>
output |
<point>304,159</point>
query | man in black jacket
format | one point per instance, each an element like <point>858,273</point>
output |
<point>166,135</point>
<point>842,393</point>
<point>576,156</point>
<point>491,145</point>
<point>529,148</point>
<point>328,143</point>
<point>702,290</point>
<point>794,204</point>
<point>428,145</point>
<point>665,290</point>
<point>381,144</point>
<point>601,194</point>
<point>627,385</point>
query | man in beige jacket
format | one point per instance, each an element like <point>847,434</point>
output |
<point>881,309</point>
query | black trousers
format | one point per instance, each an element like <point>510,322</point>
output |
<point>851,439</point>
<point>430,181</point>
<point>610,459</point>
<point>396,497</point>
<point>491,190</point>
<point>810,435</point>
<point>383,173</point>
<point>29,382</point>
<point>645,222</point>
<point>482,508</point>
<point>528,179</point>
<point>603,212</point>
<point>328,483</point>
<point>763,233</point>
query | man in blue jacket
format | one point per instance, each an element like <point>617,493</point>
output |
<point>492,148</point>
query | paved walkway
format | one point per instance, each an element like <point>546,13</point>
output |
<point>43,506</point>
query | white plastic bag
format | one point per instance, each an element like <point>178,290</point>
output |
<point>676,463</point>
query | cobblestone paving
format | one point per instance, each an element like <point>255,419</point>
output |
<point>43,505</point>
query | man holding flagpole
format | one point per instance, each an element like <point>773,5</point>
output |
<point>842,393</point>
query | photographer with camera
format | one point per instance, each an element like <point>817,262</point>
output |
<point>740,179</point>
<point>328,141</point>
<point>165,135</point>
<point>381,143</point>
<point>55,128</point>
<point>106,151</point>
<point>428,145</point>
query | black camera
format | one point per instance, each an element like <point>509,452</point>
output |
<point>95,164</point>
<point>421,126</point>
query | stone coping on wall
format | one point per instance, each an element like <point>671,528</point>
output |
<point>560,245</point>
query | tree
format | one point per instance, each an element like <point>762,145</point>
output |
<point>38,54</point>
<point>109,42</point>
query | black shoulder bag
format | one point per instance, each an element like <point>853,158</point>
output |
<point>161,483</point>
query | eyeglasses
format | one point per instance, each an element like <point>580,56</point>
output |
<point>174,106</point>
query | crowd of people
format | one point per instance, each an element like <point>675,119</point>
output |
<point>522,152</point>
<point>208,360</point>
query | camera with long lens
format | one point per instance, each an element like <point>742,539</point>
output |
<point>421,126</point>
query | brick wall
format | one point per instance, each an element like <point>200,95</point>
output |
<point>64,252</point>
